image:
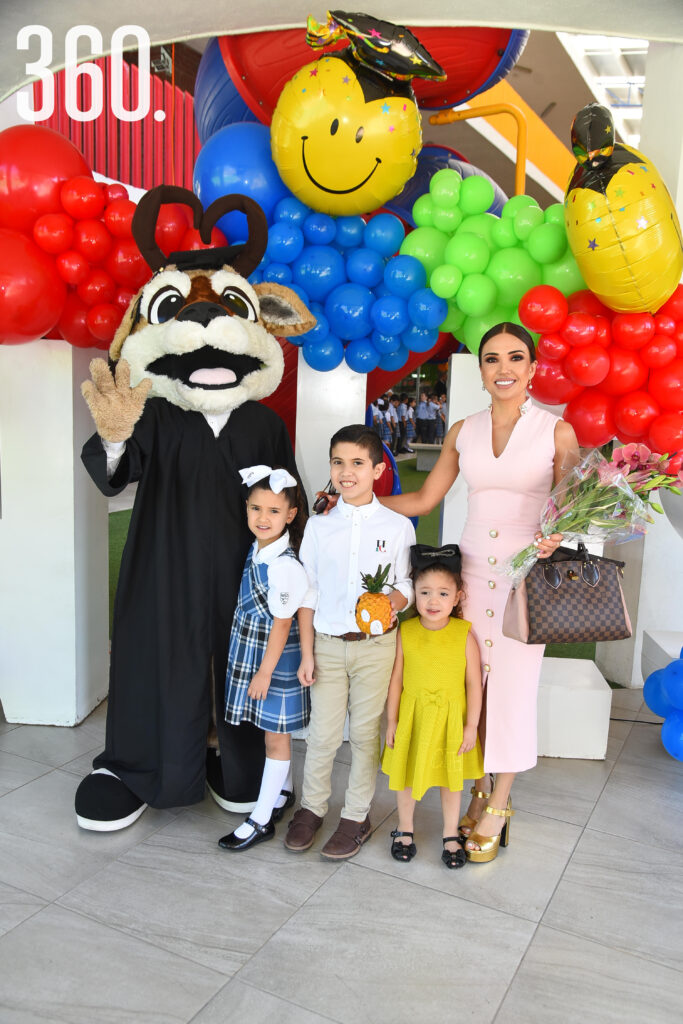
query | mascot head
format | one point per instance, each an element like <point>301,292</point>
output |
<point>198,330</point>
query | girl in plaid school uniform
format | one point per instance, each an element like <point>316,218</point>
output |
<point>264,654</point>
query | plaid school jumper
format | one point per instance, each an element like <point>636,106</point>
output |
<point>287,705</point>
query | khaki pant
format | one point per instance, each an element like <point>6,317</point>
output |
<point>351,676</point>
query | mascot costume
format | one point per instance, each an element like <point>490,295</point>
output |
<point>177,411</point>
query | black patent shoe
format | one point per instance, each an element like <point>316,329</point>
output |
<point>278,812</point>
<point>260,834</point>
<point>454,858</point>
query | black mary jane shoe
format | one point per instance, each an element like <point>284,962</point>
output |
<point>454,858</point>
<point>260,834</point>
<point>278,812</point>
<point>402,851</point>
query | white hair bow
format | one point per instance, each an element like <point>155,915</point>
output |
<point>278,479</point>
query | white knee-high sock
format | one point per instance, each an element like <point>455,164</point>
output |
<point>287,784</point>
<point>274,775</point>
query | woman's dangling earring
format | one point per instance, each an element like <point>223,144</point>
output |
<point>483,387</point>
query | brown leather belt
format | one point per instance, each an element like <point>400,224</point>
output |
<point>361,636</point>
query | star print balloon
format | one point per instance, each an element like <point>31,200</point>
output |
<point>346,130</point>
<point>621,222</point>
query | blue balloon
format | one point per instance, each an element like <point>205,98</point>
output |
<point>361,355</point>
<point>290,211</point>
<point>349,232</point>
<point>285,242</point>
<point>672,684</point>
<point>278,272</point>
<point>319,269</point>
<point>672,735</point>
<point>347,309</point>
<point>319,229</point>
<point>316,308</point>
<point>237,159</point>
<point>324,355</point>
<point>653,694</point>
<point>403,275</point>
<point>301,292</point>
<point>320,331</point>
<point>381,290</point>
<point>255,277</point>
<point>420,339</point>
<point>390,315</point>
<point>426,309</point>
<point>384,233</point>
<point>395,360</point>
<point>386,343</point>
<point>365,266</point>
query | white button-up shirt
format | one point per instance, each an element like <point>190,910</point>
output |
<point>339,546</point>
<point>287,582</point>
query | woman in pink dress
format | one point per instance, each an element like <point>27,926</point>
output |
<point>511,455</point>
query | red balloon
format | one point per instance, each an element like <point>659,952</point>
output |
<point>634,413</point>
<point>103,321</point>
<point>633,330</point>
<point>123,299</point>
<point>664,324</point>
<point>543,308</point>
<point>126,265</point>
<point>115,191</point>
<point>579,329</point>
<point>118,217</point>
<point>675,463</point>
<point>82,198</point>
<point>33,164</point>
<point>666,386</point>
<point>54,232</point>
<point>191,240</point>
<point>673,306</point>
<point>32,293</point>
<point>72,267</point>
<point>551,386</point>
<point>627,372</point>
<point>586,302</point>
<point>659,352</point>
<point>551,346</point>
<point>678,338</point>
<point>603,331</point>
<point>73,323</point>
<point>587,365</point>
<point>591,416</point>
<point>92,239</point>
<point>172,224</point>
<point>666,433</point>
<point>97,288</point>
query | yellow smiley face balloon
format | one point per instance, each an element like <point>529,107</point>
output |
<point>344,139</point>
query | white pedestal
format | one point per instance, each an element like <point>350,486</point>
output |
<point>54,615</point>
<point>660,647</point>
<point>574,704</point>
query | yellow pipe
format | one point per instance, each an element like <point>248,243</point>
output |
<point>449,116</point>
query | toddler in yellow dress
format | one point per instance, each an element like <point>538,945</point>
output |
<point>434,703</point>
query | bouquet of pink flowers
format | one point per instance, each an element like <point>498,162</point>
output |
<point>601,500</point>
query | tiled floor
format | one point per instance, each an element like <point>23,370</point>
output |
<point>580,919</point>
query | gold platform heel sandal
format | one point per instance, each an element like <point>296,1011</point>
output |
<point>489,845</point>
<point>467,823</point>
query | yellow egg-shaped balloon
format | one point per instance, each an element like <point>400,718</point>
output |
<point>621,222</point>
<point>344,139</point>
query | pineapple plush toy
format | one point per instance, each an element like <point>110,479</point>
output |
<point>373,609</point>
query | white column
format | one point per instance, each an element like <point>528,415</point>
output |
<point>54,620</point>
<point>465,397</point>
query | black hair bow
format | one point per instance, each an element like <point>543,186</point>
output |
<point>423,556</point>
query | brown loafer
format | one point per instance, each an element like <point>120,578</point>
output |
<point>348,839</point>
<point>302,830</point>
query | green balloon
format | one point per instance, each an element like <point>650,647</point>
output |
<point>503,234</point>
<point>427,245</point>
<point>525,220</point>
<point>423,211</point>
<point>517,203</point>
<point>455,318</point>
<point>475,327</point>
<point>476,295</point>
<point>547,242</point>
<point>444,188</point>
<point>480,224</point>
<point>445,281</point>
<point>446,220</point>
<point>554,214</point>
<point>476,195</point>
<point>564,274</point>
<point>514,272</point>
<point>468,252</point>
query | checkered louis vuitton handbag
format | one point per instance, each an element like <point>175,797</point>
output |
<point>571,597</point>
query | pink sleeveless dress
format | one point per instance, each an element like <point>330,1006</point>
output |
<point>505,498</point>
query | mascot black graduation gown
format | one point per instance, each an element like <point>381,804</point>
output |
<point>203,337</point>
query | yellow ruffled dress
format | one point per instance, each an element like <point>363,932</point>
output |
<point>432,712</point>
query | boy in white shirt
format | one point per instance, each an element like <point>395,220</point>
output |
<point>348,670</point>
